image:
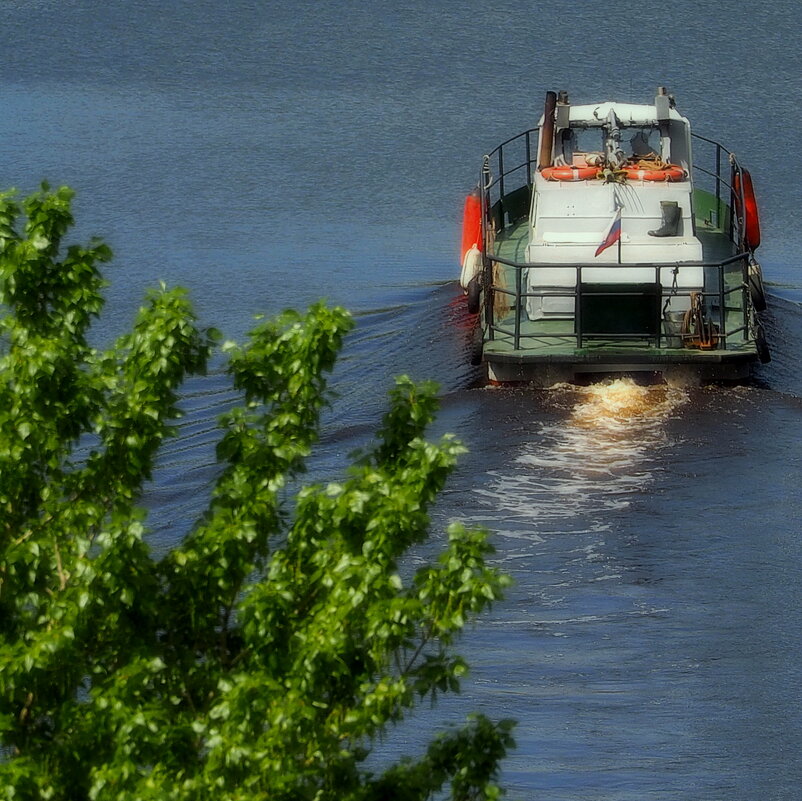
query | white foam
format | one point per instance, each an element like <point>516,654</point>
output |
<point>578,471</point>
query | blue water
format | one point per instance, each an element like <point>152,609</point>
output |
<point>267,154</point>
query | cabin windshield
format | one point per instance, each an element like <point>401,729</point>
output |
<point>641,142</point>
<point>589,144</point>
<point>580,143</point>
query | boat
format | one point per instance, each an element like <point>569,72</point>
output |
<point>595,244</point>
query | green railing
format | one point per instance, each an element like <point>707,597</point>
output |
<point>718,300</point>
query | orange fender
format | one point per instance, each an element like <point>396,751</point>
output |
<point>471,224</point>
<point>749,212</point>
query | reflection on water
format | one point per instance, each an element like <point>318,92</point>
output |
<point>592,460</point>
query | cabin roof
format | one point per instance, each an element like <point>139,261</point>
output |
<point>627,113</point>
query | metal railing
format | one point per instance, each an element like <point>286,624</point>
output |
<point>495,175</point>
<point>718,299</point>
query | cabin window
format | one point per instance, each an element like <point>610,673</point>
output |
<point>582,146</point>
<point>578,143</point>
<point>641,142</point>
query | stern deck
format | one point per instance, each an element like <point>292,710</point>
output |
<point>519,348</point>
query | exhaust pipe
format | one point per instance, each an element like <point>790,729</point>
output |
<point>547,132</point>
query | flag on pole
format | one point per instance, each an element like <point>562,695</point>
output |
<point>613,233</point>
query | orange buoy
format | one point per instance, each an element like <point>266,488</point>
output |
<point>567,173</point>
<point>671,172</point>
<point>749,213</point>
<point>471,224</point>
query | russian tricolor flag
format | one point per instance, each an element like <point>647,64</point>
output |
<point>613,233</point>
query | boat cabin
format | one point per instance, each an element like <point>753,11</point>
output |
<point>601,162</point>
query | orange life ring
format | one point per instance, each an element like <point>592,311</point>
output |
<point>471,224</point>
<point>671,172</point>
<point>751,219</point>
<point>569,173</point>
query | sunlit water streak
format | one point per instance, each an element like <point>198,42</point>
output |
<point>591,462</point>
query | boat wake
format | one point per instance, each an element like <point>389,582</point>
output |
<point>577,473</point>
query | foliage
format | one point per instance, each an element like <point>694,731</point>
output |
<point>262,656</point>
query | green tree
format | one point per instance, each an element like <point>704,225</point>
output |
<point>262,656</point>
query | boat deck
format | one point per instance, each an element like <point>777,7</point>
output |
<point>555,342</point>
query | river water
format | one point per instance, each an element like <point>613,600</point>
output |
<point>267,154</point>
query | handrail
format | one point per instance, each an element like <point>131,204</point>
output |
<point>529,160</point>
<point>720,292</point>
<point>711,141</point>
<point>662,264</point>
<point>512,139</point>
